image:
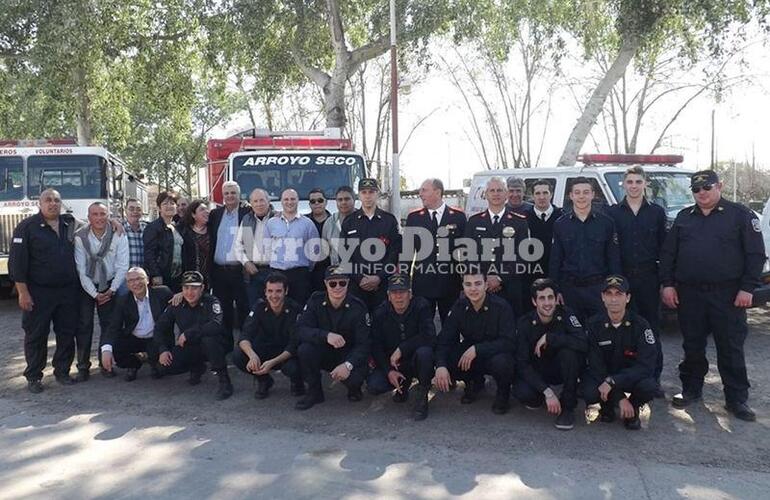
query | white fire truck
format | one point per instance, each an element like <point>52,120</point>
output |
<point>81,174</point>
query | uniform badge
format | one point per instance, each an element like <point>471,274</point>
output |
<point>368,320</point>
<point>649,337</point>
<point>451,227</point>
<point>575,322</point>
<point>754,224</point>
<point>216,308</point>
<point>18,240</point>
<point>508,231</point>
<point>615,238</point>
<point>251,314</point>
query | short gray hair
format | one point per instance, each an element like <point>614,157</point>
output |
<point>261,191</point>
<point>138,269</point>
<point>495,180</point>
<point>436,183</point>
<point>232,184</point>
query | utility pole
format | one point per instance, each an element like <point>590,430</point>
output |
<point>713,140</point>
<point>395,171</point>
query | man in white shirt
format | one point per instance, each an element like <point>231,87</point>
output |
<point>129,340</point>
<point>101,257</point>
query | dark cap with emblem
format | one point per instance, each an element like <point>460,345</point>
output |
<point>335,272</point>
<point>616,281</point>
<point>368,183</point>
<point>703,178</point>
<point>399,281</point>
<point>192,278</point>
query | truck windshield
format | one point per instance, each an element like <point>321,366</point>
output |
<point>76,177</point>
<point>11,178</point>
<point>299,171</point>
<point>670,190</point>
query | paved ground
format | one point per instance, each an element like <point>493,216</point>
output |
<point>109,438</point>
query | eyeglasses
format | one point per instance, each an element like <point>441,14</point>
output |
<point>334,284</point>
<point>316,201</point>
<point>707,187</point>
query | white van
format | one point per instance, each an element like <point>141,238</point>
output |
<point>669,185</point>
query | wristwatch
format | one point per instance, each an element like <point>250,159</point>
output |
<point>610,381</point>
<point>349,366</point>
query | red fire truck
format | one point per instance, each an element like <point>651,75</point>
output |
<point>275,161</point>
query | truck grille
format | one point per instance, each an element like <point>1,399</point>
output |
<point>8,223</point>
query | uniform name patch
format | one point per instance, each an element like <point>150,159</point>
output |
<point>754,224</point>
<point>575,322</point>
<point>649,337</point>
<point>17,240</point>
<point>605,342</point>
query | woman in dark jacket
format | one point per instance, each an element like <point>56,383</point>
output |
<point>163,245</point>
<point>196,251</point>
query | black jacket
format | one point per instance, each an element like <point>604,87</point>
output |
<point>408,331</point>
<point>275,333</point>
<point>203,320</point>
<point>433,277</point>
<point>383,226</point>
<point>125,314</point>
<point>563,332</point>
<point>628,353</point>
<point>351,320</point>
<point>508,233</point>
<point>215,219</point>
<point>542,230</point>
<point>158,249</point>
<point>491,329</point>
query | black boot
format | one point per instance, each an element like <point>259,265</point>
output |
<point>420,411</point>
<point>195,375</point>
<point>633,423</point>
<point>502,400</point>
<point>263,387</point>
<point>472,390</point>
<point>607,413</point>
<point>225,386</point>
<point>312,398</point>
<point>297,387</point>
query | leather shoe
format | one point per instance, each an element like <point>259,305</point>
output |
<point>298,388</point>
<point>633,423</point>
<point>309,401</point>
<point>500,406</point>
<point>195,377</point>
<point>263,388</point>
<point>606,414</point>
<point>741,411</point>
<point>685,399</point>
<point>35,386</point>
<point>156,372</point>
<point>131,374</point>
<point>420,411</point>
<point>83,375</point>
<point>355,395</point>
<point>471,393</point>
<point>108,374</point>
<point>66,380</point>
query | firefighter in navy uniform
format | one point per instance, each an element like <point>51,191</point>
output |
<point>191,333</point>
<point>477,339</point>
<point>584,251</point>
<point>505,229</point>
<point>710,264</point>
<point>268,338</point>
<point>621,357</point>
<point>403,335</point>
<point>333,332</point>
<point>435,277</point>
<point>370,222</point>
<point>551,349</point>
<point>42,264</point>
<point>641,228</point>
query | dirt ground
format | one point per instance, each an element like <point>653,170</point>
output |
<point>703,436</point>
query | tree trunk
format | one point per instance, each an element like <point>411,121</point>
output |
<point>334,96</point>
<point>83,117</point>
<point>596,102</point>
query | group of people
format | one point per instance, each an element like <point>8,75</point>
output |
<point>334,292</point>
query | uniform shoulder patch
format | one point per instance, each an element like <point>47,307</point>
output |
<point>649,337</point>
<point>368,319</point>
<point>575,322</point>
<point>754,224</point>
<point>216,308</point>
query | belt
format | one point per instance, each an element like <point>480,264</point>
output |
<point>639,270</point>
<point>588,281</point>
<point>712,287</point>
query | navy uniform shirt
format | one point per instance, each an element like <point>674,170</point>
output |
<point>627,353</point>
<point>509,231</point>
<point>725,246</point>
<point>640,235</point>
<point>351,320</point>
<point>407,332</point>
<point>563,332</point>
<point>522,209</point>
<point>432,277</point>
<point>203,320</point>
<point>491,329</point>
<point>383,226</point>
<point>40,257</point>
<point>274,332</point>
<point>584,249</point>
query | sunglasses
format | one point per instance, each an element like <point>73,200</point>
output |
<point>334,284</point>
<point>316,201</point>
<point>707,187</point>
